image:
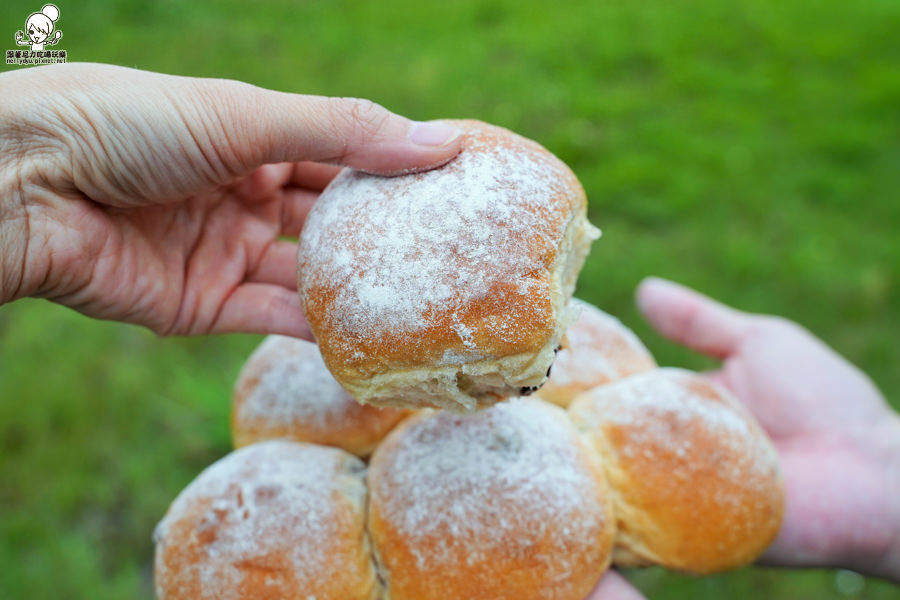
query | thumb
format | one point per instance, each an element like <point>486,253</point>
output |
<point>692,319</point>
<point>133,136</point>
<point>271,127</point>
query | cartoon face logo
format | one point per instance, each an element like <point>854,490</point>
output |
<point>40,29</point>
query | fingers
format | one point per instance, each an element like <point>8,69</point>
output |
<point>692,319</point>
<point>277,265</point>
<point>313,176</point>
<point>264,182</point>
<point>262,126</point>
<point>275,183</point>
<point>296,204</point>
<point>615,587</point>
<point>264,309</point>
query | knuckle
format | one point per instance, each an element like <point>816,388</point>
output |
<point>169,325</point>
<point>363,117</point>
<point>163,331</point>
<point>219,116</point>
<point>687,321</point>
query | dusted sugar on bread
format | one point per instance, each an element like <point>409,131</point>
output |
<point>507,503</point>
<point>286,391</point>
<point>447,288</point>
<point>695,480</point>
<point>270,521</point>
<point>597,349</point>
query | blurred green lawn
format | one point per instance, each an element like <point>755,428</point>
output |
<point>748,148</point>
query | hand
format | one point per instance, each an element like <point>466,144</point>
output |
<point>838,440</point>
<point>614,587</point>
<point>161,200</point>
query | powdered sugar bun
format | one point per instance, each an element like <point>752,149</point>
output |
<point>447,288</point>
<point>597,349</point>
<point>273,520</point>
<point>286,391</point>
<point>507,503</point>
<point>695,480</point>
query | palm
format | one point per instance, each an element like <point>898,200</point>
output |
<point>210,263</point>
<point>820,412</point>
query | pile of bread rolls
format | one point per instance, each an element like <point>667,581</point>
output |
<point>611,460</point>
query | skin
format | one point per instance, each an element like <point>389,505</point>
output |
<point>837,438</point>
<point>161,201</point>
<point>615,587</point>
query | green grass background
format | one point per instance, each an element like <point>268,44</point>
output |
<point>749,148</point>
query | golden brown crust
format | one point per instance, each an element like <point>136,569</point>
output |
<point>285,391</point>
<point>597,349</point>
<point>695,480</point>
<point>455,267</point>
<point>507,503</point>
<point>271,521</point>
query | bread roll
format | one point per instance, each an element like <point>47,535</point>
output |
<point>447,288</point>
<point>507,503</point>
<point>285,391</point>
<point>695,481</point>
<point>271,521</point>
<point>597,349</point>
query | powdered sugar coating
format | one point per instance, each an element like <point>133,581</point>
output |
<point>660,415</point>
<point>279,509</point>
<point>394,263</point>
<point>511,484</point>
<point>296,387</point>
<point>600,349</point>
<point>286,391</point>
<point>696,481</point>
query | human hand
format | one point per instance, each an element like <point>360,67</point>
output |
<point>161,200</point>
<point>614,587</point>
<point>838,440</point>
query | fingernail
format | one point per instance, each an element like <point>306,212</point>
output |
<point>433,133</point>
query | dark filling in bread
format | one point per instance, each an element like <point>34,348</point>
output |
<point>530,389</point>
